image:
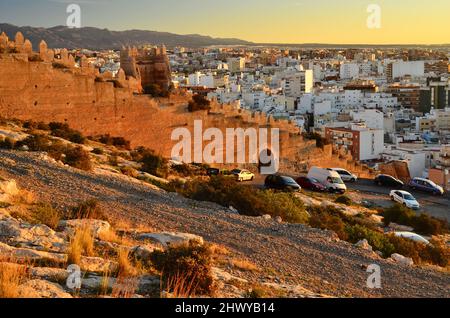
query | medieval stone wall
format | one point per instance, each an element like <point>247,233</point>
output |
<point>97,104</point>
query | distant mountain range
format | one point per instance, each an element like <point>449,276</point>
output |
<point>95,38</point>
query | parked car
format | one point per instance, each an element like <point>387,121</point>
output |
<point>346,176</point>
<point>413,237</point>
<point>283,183</point>
<point>328,178</point>
<point>426,186</point>
<point>213,172</point>
<point>311,184</point>
<point>387,180</point>
<point>405,198</point>
<point>243,175</point>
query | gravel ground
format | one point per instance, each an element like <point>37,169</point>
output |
<point>300,255</point>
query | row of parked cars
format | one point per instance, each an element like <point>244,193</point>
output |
<point>419,184</point>
<point>403,197</point>
<point>318,179</point>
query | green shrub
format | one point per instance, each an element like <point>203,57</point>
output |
<point>151,162</point>
<point>423,224</point>
<point>186,263</point>
<point>379,241</point>
<point>326,219</point>
<point>108,140</point>
<point>186,170</point>
<point>247,200</point>
<point>78,158</point>
<point>36,142</point>
<point>435,253</point>
<point>62,130</point>
<point>428,225</point>
<point>198,103</point>
<point>89,209</point>
<point>44,213</point>
<point>343,199</point>
<point>98,151</point>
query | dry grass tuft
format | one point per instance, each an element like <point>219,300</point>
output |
<point>244,265</point>
<point>23,197</point>
<point>11,277</point>
<point>125,287</point>
<point>219,250</point>
<point>179,285</point>
<point>126,269</point>
<point>81,244</point>
<point>110,236</point>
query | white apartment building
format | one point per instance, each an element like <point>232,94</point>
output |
<point>349,71</point>
<point>400,69</point>
<point>416,160</point>
<point>362,142</point>
<point>236,65</point>
<point>372,118</point>
<point>298,83</point>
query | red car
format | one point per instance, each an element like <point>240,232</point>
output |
<point>311,184</point>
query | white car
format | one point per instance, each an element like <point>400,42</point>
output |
<point>243,175</point>
<point>405,198</point>
<point>329,178</point>
<point>413,237</point>
<point>346,176</point>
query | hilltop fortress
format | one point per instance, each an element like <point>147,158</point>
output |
<point>48,86</point>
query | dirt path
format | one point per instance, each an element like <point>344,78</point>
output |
<point>302,255</point>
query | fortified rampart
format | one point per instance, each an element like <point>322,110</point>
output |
<point>40,87</point>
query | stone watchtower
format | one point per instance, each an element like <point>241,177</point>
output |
<point>128,62</point>
<point>148,66</point>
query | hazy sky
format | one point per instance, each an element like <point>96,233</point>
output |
<point>286,21</point>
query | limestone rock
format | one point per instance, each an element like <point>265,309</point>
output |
<point>148,284</point>
<point>95,282</point>
<point>97,227</point>
<point>141,253</point>
<point>170,238</point>
<point>97,265</point>
<point>39,237</point>
<point>402,259</point>
<point>364,244</point>
<point>267,217</point>
<point>56,275</point>
<point>25,254</point>
<point>42,289</point>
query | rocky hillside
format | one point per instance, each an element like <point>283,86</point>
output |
<point>121,230</point>
<point>95,38</point>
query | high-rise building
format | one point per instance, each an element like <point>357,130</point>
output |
<point>408,95</point>
<point>298,83</point>
<point>399,69</point>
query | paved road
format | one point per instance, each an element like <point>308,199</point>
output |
<point>437,206</point>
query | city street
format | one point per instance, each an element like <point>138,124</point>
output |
<point>366,190</point>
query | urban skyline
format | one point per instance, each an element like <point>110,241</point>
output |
<point>262,21</point>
